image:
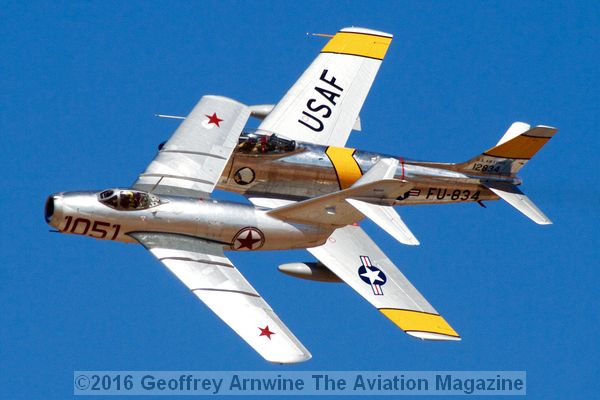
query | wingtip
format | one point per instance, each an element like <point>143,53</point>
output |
<point>410,242</point>
<point>553,128</point>
<point>431,336</point>
<point>294,359</point>
<point>421,324</point>
<point>368,31</point>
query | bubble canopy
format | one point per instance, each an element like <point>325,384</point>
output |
<point>254,142</point>
<point>128,199</point>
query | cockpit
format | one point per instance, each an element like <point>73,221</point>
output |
<point>254,143</point>
<point>128,199</point>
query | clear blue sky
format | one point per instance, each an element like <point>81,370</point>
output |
<point>80,82</point>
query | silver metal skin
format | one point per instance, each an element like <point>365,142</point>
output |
<point>304,170</point>
<point>83,213</point>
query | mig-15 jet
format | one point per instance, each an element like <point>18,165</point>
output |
<point>170,212</point>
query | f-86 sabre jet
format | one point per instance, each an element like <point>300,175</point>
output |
<point>298,150</point>
<point>169,211</point>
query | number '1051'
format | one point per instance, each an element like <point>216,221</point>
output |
<point>97,229</point>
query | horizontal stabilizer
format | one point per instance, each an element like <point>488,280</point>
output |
<point>377,186</point>
<point>384,169</point>
<point>333,209</point>
<point>518,200</point>
<point>388,219</point>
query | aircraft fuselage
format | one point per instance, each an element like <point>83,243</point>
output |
<point>236,226</point>
<point>265,167</point>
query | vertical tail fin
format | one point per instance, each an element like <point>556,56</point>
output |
<point>518,145</point>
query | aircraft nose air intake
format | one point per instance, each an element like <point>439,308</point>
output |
<point>49,209</point>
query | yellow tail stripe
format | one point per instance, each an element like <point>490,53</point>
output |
<point>346,167</point>
<point>523,147</point>
<point>409,320</point>
<point>358,44</point>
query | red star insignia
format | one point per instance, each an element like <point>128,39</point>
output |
<point>213,119</point>
<point>266,332</point>
<point>248,241</point>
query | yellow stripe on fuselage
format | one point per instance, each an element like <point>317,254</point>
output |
<point>523,147</point>
<point>358,44</point>
<point>346,167</point>
<point>418,321</point>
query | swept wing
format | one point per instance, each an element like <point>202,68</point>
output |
<point>355,258</point>
<point>322,107</point>
<point>334,210</point>
<point>193,159</point>
<point>204,269</point>
<point>378,281</point>
<point>190,163</point>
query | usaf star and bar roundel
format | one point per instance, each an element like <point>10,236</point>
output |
<point>372,275</point>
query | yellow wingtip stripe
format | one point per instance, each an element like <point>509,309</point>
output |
<point>345,165</point>
<point>358,44</point>
<point>409,320</point>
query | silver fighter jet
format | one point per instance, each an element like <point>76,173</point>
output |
<point>298,150</point>
<point>169,211</point>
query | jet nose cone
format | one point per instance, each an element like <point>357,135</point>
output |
<point>53,209</point>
